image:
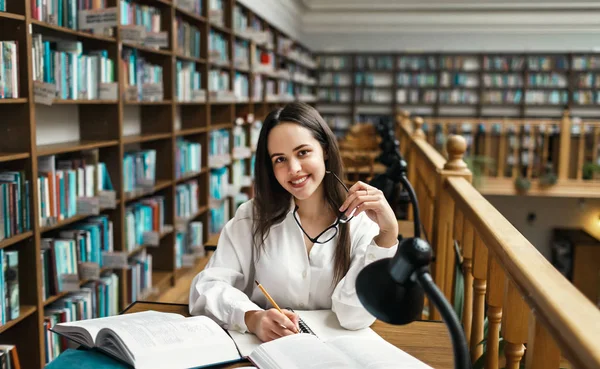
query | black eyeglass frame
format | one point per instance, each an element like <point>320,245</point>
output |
<point>341,218</point>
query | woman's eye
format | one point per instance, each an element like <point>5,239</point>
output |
<point>279,160</point>
<point>302,152</point>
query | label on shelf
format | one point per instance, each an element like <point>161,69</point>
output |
<point>115,259</point>
<point>151,238</point>
<point>132,33</point>
<point>188,260</point>
<point>199,95</point>
<point>108,91</point>
<point>241,152</point>
<point>107,199</point>
<point>44,93</point>
<point>70,282</point>
<point>131,93</point>
<point>156,39</point>
<point>88,205</point>
<point>152,91</point>
<point>98,18</point>
<point>89,270</point>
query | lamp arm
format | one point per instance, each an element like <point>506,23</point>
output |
<point>415,204</point>
<point>459,342</point>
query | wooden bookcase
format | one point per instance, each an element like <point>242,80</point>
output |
<point>476,85</point>
<point>101,126</point>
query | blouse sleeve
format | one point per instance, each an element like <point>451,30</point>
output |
<point>345,303</point>
<point>217,291</point>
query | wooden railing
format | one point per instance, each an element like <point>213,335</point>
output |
<point>526,300</point>
<point>555,156</point>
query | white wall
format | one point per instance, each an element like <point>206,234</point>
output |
<point>550,213</point>
<point>451,41</point>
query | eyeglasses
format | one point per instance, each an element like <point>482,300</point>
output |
<point>330,232</point>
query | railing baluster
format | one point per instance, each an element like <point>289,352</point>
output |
<point>580,151</point>
<point>468,272</point>
<point>596,142</point>
<point>480,256</point>
<point>542,352</point>
<point>564,152</point>
<point>495,297</point>
<point>502,150</point>
<point>516,151</point>
<point>487,147</point>
<point>514,326</point>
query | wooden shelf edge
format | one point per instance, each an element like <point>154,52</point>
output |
<point>160,184</point>
<point>71,32</point>
<point>24,312</point>
<point>14,239</point>
<point>6,15</point>
<point>72,146</point>
<point>162,102</point>
<point>16,100</point>
<point>188,14</point>
<point>191,131</point>
<point>74,219</point>
<point>220,126</point>
<point>4,157</point>
<point>145,137</point>
<point>147,49</point>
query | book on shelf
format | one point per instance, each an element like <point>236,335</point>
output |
<point>94,299</point>
<point>9,285</point>
<point>173,341</point>
<point>9,70</point>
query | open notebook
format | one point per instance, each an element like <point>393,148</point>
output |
<point>158,340</point>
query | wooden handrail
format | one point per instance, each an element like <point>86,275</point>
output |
<point>569,316</point>
<point>538,312</point>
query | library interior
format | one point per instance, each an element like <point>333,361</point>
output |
<point>133,130</point>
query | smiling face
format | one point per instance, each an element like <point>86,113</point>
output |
<point>298,159</point>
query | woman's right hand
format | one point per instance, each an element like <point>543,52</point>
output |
<point>270,324</point>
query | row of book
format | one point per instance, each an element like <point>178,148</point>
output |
<point>133,13</point>
<point>9,286</point>
<point>216,11</point>
<point>218,47</point>
<point>188,82</point>
<point>76,75</point>
<point>218,80</point>
<point>144,222</point>
<point>241,86</point>
<point>219,215</point>
<point>188,39</point>
<point>188,157</point>
<point>9,70</point>
<point>187,200</point>
<point>372,79</point>
<point>15,213</point>
<point>219,143</point>
<point>139,170</point>
<point>416,80</point>
<point>241,56</point>
<point>375,62</point>
<point>143,80</point>
<point>417,96</point>
<point>64,180</point>
<point>189,244</point>
<point>64,13</point>
<point>191,6</point>
<point>94,299</point>
<point>75,254</point>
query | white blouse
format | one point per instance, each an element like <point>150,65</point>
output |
<point>293,278</point>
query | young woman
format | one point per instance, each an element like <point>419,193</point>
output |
<point>304,236</point>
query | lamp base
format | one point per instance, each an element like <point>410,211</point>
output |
<point>387,300</point>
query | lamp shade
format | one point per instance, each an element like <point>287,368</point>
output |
<point>388,288</point>
<point>385,299</point>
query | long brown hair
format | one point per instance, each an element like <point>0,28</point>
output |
<point>272,201</point>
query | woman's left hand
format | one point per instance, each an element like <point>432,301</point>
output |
<point>371,200</point>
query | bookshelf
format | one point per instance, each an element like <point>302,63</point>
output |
<point>477,85</point>
<point>209,66</point>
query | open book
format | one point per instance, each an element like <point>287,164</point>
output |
<point>155,340</point>
<point>159,340</point>
<point>331,347</point>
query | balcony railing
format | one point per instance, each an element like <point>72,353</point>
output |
<point>542,318</point>
<point>549,157</point>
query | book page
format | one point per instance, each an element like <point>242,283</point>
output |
<point>324,323</point>
<point>182,343</point>
<point>300,351</point>
<point>93,326</point>
<point>375,353</point>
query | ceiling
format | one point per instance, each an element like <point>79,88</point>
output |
<point>387,5</point>
<point>453,16</point>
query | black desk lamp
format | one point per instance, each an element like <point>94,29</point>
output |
<point>391,289</point>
